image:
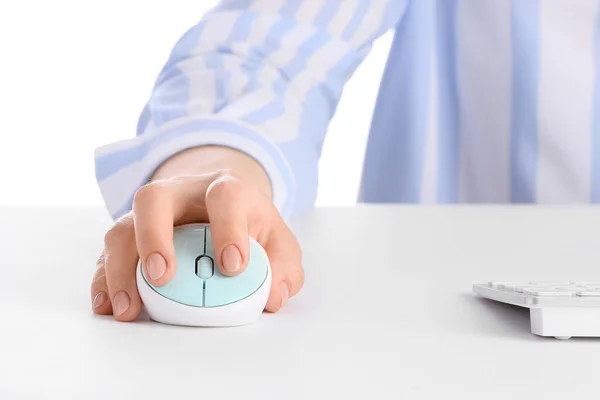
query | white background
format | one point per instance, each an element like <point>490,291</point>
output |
<point>75,75</point>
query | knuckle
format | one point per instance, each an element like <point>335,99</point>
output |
<point>119,233</point>
<point>228,173</point>
<point>148,192</point>
<point>226,185</point>
<point>100,261</point>
<point>99,280</point>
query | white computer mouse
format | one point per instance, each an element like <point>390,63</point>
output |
<point>198,294</point>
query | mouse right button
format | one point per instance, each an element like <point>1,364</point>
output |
<point>221,290</point>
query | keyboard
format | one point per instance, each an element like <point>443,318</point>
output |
<point>557,309</point>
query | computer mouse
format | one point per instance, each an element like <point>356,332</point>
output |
<point>198,294</point>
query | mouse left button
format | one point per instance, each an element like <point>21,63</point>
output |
<point>185,286</point>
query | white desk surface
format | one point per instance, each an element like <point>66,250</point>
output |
<point>386,313</point>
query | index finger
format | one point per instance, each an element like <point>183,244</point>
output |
<point>157,207</point>
<point>153,221</point>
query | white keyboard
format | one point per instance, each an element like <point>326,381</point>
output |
<point>558,309</point>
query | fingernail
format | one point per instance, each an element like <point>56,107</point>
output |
<point>99,299</point>
<point>285,293</point>
<point>121,303</point>
<point>156,265</point>
<point>231,258</point>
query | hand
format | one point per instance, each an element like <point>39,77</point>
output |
<point>234,209</point>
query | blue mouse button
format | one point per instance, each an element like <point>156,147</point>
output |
<point>198,281</point>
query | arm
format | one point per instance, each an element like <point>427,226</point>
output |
<point>258,82</point>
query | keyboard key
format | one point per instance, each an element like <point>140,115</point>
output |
<point>589,293</point>
<point>520,289</point>
<point>595,284</point>
<point>546,292</point>
<point>507,285</point>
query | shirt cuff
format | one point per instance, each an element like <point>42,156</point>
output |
<point>123,167</point>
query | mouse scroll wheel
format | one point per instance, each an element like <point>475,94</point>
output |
<point>205,267</point>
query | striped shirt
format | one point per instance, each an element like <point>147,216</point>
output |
<point>481,101</point>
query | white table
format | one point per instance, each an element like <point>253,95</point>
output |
<point>386,313</point>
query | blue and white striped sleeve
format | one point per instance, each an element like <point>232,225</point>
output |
<point>260,76</point>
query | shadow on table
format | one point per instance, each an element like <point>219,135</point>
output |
<point>499,318</point>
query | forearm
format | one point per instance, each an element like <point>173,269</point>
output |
<point>205,159</point>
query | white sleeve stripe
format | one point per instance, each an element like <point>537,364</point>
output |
<point>271,6</point>
<point>308,10</point>
<point>370,25</point>
<point>217,28</point>
<point>342,18</point>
